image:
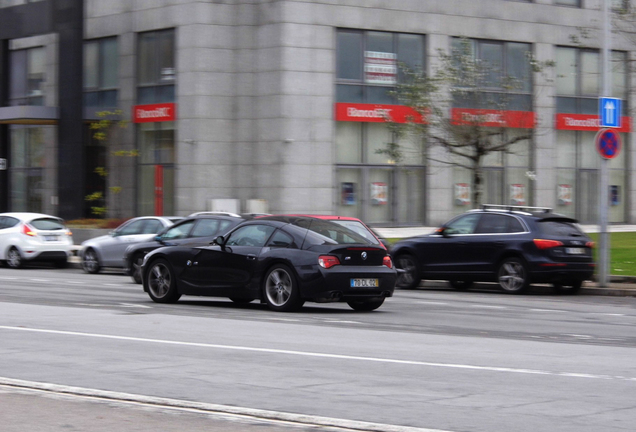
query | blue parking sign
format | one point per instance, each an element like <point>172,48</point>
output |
<point>610,112</point>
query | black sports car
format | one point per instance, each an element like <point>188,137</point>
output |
<point>280,260</point>
<point>197,230</point>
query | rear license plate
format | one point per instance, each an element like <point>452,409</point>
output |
<point>575,251</point>
<point>363,283</point>
<point>51,238</point>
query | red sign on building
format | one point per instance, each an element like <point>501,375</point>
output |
<point>154,113</point>
<point>377,113</point>
<point>493,118</point>
<point>587,122</point>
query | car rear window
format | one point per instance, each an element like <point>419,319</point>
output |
<point>322,232</point>
<point>557,228</point>
<point>359,228</point>
<point>47,224</point>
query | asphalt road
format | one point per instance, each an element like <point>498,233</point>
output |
<point>430,358</point>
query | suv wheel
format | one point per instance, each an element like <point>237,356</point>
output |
<point>409,276</point>
<point>513,275</point>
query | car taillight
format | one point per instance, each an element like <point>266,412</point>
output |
<point>328,261</point>
<point>387,262</point>
<point>27,230</point>
<point>547,244</point>
<point>590,244</point>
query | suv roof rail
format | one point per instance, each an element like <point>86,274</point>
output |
<point>221,213</point>
<point>516,208</point>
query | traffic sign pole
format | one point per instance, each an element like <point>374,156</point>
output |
<point>604,193</point>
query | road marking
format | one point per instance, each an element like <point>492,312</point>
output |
<point>226,411</point>
<point>132,305</point>
<point>432,303</point>
<point>548,310</point>
<point>39,280</point>
<point>323,355</point>
<point>8,278</point>
<point>488,307</point>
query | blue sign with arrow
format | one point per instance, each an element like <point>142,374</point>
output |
<point>610,112</point>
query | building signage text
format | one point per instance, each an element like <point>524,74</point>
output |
<point>587,122</point>
<point>375,113</point>
<point>154,113</point>
<point>493,118</point>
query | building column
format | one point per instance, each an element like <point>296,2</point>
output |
<point>4,129</point>
<point>544,149</point>
<point>69,22</point>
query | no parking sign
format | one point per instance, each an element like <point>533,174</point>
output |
<point>608,143</point>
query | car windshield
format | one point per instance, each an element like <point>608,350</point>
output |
<point>359,228</point>
<point>327,232</point>
<point>559,229</point>
<point>47,224</point>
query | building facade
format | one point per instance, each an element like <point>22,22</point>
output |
<point>279,105</point>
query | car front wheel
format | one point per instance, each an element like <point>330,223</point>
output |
<point>281,290</point>
<point>408,272</point>
<point>90,261</point>
<point>513,276</point>
<point>160,282</point>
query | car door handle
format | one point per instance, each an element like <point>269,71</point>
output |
<point>251,257</point>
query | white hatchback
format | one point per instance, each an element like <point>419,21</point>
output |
<point>34,237</point>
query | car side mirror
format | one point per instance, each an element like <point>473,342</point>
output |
<point>158,238</point>
<point>112,233</point>
<point>220,240</point>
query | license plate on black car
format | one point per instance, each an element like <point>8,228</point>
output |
<point>364,283</point>
<point>575,251</point>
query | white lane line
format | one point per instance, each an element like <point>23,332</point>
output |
<point>115,285</point>
<point>224,411</point>
<point>488,307</point>
<point>548,310</point>
<point>432,303</point>
<point>39,280</point>
<point>319,355</point>
<point>8,278</point>
<point>132,305</point>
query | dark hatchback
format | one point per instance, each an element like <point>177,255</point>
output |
<point>280,260</point>
<point>199,229</point>
<point>514,246</point>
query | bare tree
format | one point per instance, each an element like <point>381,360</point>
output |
<point>467,139</point>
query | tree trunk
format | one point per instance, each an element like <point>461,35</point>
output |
<point>477,186</point>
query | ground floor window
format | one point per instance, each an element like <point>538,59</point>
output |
<point>27,163</point>
<point>578,178</point>
<point>372,187</point>
<point>506,178</point>
<point>156,168</point>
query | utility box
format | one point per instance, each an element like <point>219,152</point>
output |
<point>256,206</point>
<point>228,205</point>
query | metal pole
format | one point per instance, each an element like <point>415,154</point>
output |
<point>604,192</point>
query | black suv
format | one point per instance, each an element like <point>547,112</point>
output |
<point>196,230</point>
<point>514,246</point>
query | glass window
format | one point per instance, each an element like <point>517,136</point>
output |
<point>568,2</point>
<point>101,72</point>
<point>156,67</point>
<point>619,75</point>
<point>367,63</point>
<point>280,239</point>
<point>178,231</point>
<point>348,142</point>
<point>205,228</point>
<point>518,66</point>
<point>152,226</point>
<point>47,224</point>
<point>465,224</point>
<point>134,227</point>
<point>250,235</point>
<point>590,73</point>
<point>491,54</point>
<point>493,224</point>
<point>27,167</point>
<point>27,76</point>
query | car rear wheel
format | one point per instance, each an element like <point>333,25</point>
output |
<point>90,261</point>
<point>160,282</point>
<point>409,276</point>
<point>281,290</point>
<point>513,276</point>
<point>460,285</point>
<point>14,259</point>
<point>365,305</point>
<point>570,287</point>
<point>135,268</point>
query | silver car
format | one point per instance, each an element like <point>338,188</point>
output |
<point>33,237</point>
<point>108,250</point>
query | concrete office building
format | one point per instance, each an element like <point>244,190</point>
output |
<point>277,105</point>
